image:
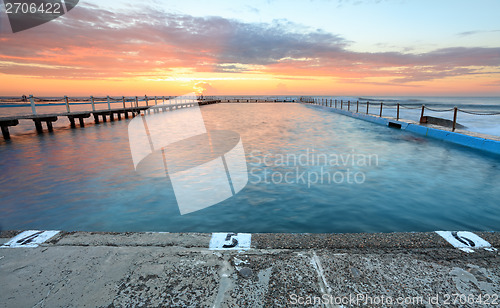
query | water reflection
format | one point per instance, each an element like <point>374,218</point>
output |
<point>84,179</point>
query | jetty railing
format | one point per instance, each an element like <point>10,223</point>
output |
<point>258,99</point>
<point>379,108</point>
<point>127,105</point>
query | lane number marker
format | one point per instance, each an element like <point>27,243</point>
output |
<point>230,241</point>
<point>465,241</point>
<point>29,239</point>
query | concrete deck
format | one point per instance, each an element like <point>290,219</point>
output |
<point>279,270</point>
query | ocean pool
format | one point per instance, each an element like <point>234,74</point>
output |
<point>309,170</point>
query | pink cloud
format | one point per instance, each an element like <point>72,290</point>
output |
<point>90,43</point>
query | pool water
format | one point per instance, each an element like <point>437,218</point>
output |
<point>310,170</point>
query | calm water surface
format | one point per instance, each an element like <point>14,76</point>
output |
<point>84,179</point>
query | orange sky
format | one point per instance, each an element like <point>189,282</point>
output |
<point>92,51</point>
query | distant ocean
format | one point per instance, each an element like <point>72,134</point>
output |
<point>486,124</point>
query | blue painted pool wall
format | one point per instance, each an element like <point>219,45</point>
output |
<point>488,145</point>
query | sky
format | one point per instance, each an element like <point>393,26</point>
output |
<point>260,47</point>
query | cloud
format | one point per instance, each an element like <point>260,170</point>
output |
<point>93,43</point>
<point>205,88</point>
<point>282,88</point>
<point>467,33</point>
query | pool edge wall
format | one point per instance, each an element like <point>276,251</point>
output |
<point>483,144</point>
<point>391,240</point>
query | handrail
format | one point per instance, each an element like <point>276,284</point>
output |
<point>312,100</point>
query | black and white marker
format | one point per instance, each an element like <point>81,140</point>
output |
<point>465,241</point>
<point>230,241</point>
<point>29,239</point>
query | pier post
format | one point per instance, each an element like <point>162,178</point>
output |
<point>32,102</point>
<point>455,109</point>
<point>5,132</point>
<point>341,103</point>
<point>5,127</point>
<point>156,103</point>
<point>49,126</point>
<point>335,103</point>
<point>72,121</point>
<point>348,105</point>
<point>111,115</point>
<point>82,124</point>
<point>38,126</point>
<point>331,102</point>
<point>422,114</point>
<point>96,116</point>
<point>67,103</point>
<point>381,104</point>
<point>397,114</point>
<point>137,105</point>
<point>367,106</point>
<point>357,106</point>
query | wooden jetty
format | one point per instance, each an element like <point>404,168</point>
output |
<point>104,115</point>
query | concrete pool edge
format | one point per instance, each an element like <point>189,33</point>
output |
<point>475,142</point>
<point>105,269</point>
<point>295,241</point>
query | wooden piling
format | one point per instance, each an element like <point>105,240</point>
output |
<point>381,104</point>
<point>5,127</point>
<point>92,102</point>
<point>38,126</point>
<point>422,114</point>
<point>137,106</point>
<point>109,103</point>
<point>397,114</point>
<point>455,110</point>
<point>67,104</point>
<point>367,106</point>
<point>357,106</point>
<point>5,132</point>
<point>348,105</point>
